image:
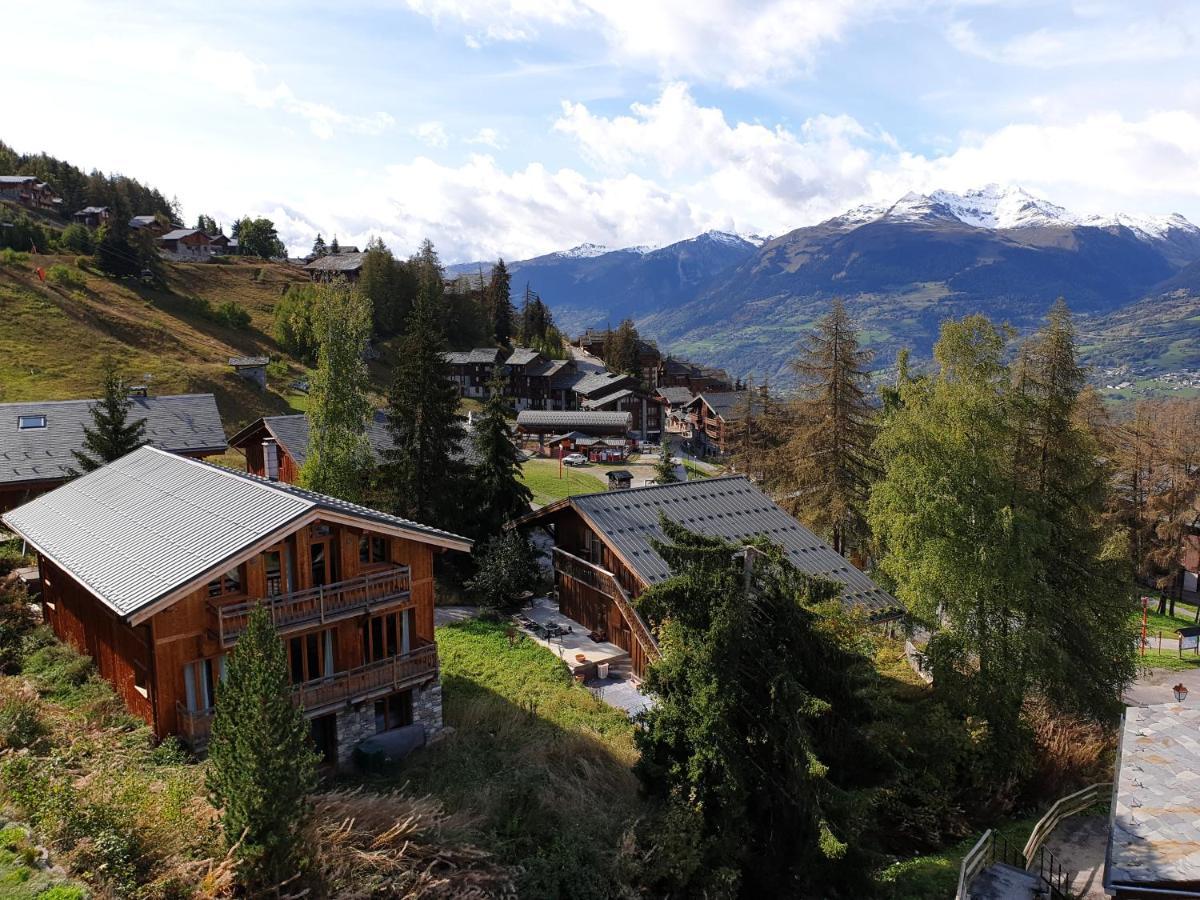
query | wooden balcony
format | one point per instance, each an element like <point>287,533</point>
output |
<point>309,608</point>
<point>341,689</point>
<point>569,565</point>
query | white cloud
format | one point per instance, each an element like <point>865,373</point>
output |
<point>734,42</point>
<point>489,137</point>
<point>432,133</point>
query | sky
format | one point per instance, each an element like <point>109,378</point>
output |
<point>518,127</point>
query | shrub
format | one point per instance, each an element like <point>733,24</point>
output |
<point>60,274</point>
<point>77,238</point>
<point>232,315</point>
<point>11,556</point>
<point>63,892</point>
<point>16,621</point>
<point>11,257</point>
<point>57,671</point>
<point>20,720</point>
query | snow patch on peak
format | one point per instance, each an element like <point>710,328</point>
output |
<point>1149,227</point>
<point>583,251</point>
<point>994,206</point>
<point>914,207</point>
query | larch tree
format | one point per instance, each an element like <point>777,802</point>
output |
<point>339,455</point>
<point>423,468</point>
<point>757,739</point>
<point>111,434</point>
<point>757,432</point>
<point>825,469</point>
<point>261,761</point>
<point>500,494</point>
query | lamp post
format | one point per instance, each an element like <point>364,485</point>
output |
<point>1181,692</point>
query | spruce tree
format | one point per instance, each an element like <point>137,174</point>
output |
<point>262,763</point>
<point>500,305</point>
<point>423,466</point>
<point>500,494</point>
<point>339,455</point>
<point>664,466</point>
<point>334,246</point>
<point>111,434</point>
<point>758,735</point>
<point>318,248</point>
<point>826,469</point>
<point>115,253</point>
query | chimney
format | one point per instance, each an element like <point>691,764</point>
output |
<point>271,459</point>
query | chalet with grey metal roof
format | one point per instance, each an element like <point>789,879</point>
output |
<point>37,438</point>
<point>153,563</point>
<point>604,554</point>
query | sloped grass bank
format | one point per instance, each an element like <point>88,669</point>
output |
<point>541,766</point>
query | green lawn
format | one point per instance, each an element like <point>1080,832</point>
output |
<point>1170,659</point>
<point>936,875</point>
<point>694,471</point>
<point>542,477</point>
<point>1185,614</point>
<point>540,766</point>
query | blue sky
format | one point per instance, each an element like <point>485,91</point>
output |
<point>521,126</point>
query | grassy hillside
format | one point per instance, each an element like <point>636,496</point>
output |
<point>53,335</point>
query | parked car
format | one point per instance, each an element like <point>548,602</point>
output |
<point>649,447</point>
<point>575,459</point>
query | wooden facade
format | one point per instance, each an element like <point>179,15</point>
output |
<point>354,607</point>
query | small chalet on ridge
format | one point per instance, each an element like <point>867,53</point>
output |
<point>604,557</point>
<point>153,563</point>
<point>36,438</point>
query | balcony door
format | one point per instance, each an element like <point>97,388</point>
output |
<point>280,565</point>
<point>387,635</point>
<point>323,558</point>
<point>310,656</point>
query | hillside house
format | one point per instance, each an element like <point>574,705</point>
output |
<point>29,191</point>
<point>152,564</point>
<point>152,225</point>
<point>604,556</point>
<point>675,401</point>
<point>336,265</point>
<point>220,244</point>
<point>697,379</point>
<point>649,359</point>
<point>252,369</point>
<point>605,391</point>
<point>186,245</point>
<point>712,418</point>
<point>93,216</point>
<point>36,438</point>
<point>276,447</point>
<point>544,429</point>
<point>471,370</point>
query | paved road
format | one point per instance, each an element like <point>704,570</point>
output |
<point>1156,686</point>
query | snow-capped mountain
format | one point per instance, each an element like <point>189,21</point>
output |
<point>997,207</point>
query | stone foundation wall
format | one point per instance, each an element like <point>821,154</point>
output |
<point>427,709</point>
<point>357,725</point>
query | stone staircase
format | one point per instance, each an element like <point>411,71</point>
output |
<point>1001,881</point>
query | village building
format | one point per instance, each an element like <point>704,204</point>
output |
<point>220,244</point>
<point>675,401</point>
<point>712,417</point>
<point>697,379</point>
<point>604,556</point>
<point>152,564</point>
<point>471,370</point>
<point>29,191</point>
<point>37,438</point>
<point>276,447</point>
<point>649,359</point>
<point>1154,822</point>
<point>152,225</point>
<point>336,265</point>
<point>93,216</point>
<point>186,244</point>
<point>555,431</point>
<point>251,368</point>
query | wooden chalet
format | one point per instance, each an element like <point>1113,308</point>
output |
<point>276,447</point>
<point>152,225</point>
<point>93,216</point>
<point>606,391</point>
<point>186,244</point>
<point>604,557</point>
<point>697,379</point>
<point>336,265</point>
<point>712,417</point>
<point>541,429</point>
<point>675,401</point>
<point>153,563</point>
<point>37,438</point>
<point>29,191</point>
<point>471,370</point>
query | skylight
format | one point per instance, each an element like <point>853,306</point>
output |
<point>27,422</point>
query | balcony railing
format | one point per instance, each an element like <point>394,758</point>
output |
<point>322,695</point>
<point>607,583</point>
<point>316,606</point>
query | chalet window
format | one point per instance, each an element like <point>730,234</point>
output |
<point>387,635</point>
<point>200,679</point>
<point>310,656</point>
<point>372,549</point>
<point>24,423</point>
<point>277,564</point>
<point>141,679</point>
<point>395,711</point>
<point>229,583</point>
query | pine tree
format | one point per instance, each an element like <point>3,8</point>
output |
<point>111,434</point>
<point>760,751</point>
<point>422,467</point>
<point>500,303</point>
<point>262,763</point>
<point>334,246</point>
<point>664,466</point>
<point>826,469</point>
<point>318,248</point>
<point>338,406</point>
<point>496,476</point>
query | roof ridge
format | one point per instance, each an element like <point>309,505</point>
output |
<point>672,484</point>
<point>95,399</point>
